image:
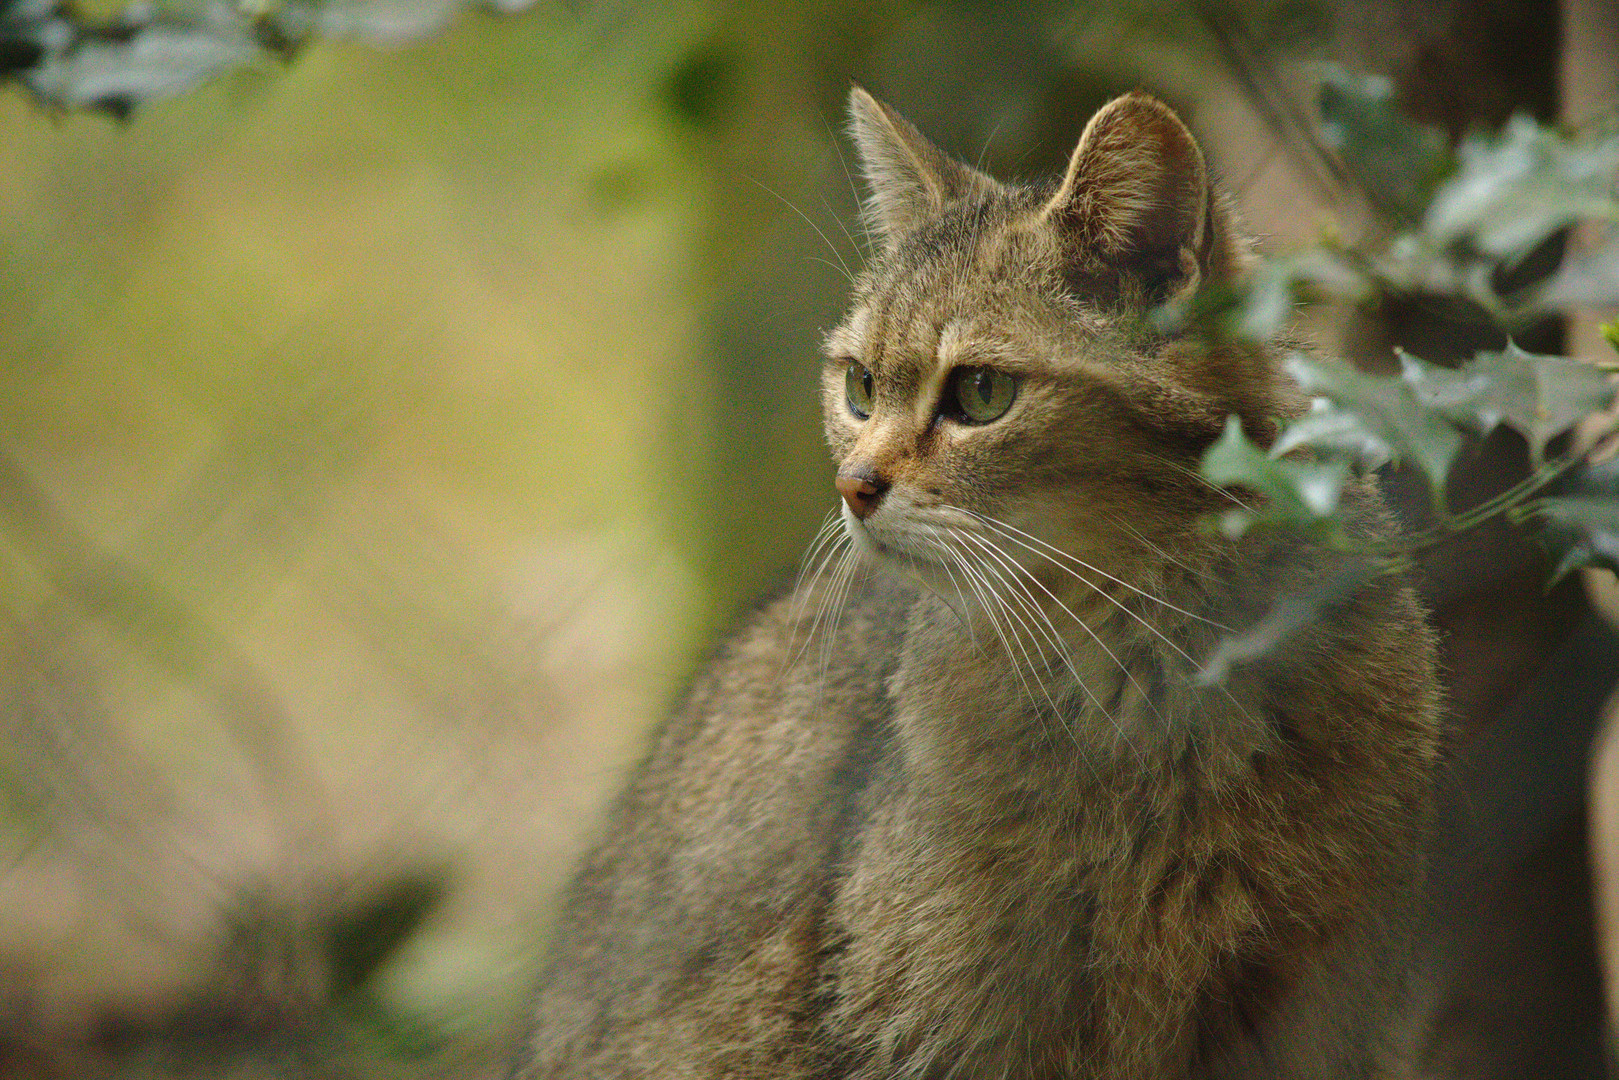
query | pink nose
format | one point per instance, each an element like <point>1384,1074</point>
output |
<point>861,493</point>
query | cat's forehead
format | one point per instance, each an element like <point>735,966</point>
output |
<point>944,337</point>
<point>964,288</point>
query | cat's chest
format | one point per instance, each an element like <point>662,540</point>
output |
<point>1006,937</point>
<point>995,883</point>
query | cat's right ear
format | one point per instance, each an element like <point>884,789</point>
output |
<point>909,179</point>
<point>1137,200</point>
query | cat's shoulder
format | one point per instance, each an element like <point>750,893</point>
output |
<point>806,640</point>
<point>800,671</point>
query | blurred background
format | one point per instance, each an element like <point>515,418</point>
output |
<point>385,431</point>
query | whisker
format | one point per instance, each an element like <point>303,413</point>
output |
<point>938,545</point>
<point>977,591</point>
<point>822,535</point>
<point>1027,601</point>
<point>837,146</point>
<point>988,142</point>
<point>960,614</point>
<point>840,549</point>
<point>830,606</point>
<point>847,273</point>
<point>794,656</point>
<point>851,564</point>
<point>1008,530</point>
<point>833,214</point>
<point>1119,523</point>
<point>1188,471</point>
<point>1115,601</point>
<point>828,262</point>
<point>828,534</point>
<point>1048,631</point>
<point>975,583</point>
<point>989,590</point>
<point>1012,532</point>
<point>1012,564</point>
<point>1013,568</point>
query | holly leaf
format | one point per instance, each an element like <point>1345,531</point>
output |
<point>1265,301</point>
<point>1451,392</point>
<point>1584,529</point>
<point>1327,427</point>
<point>1589,280</point>
<point>137,59</point>
<point>1378,417</point>
<point>1580,518</point>
<point>1277,287</point>
<point>145,54</point>
<point>1511,191</point>
<point>1540,397</point>
<point>1287,615</point>
<point>1397,162</point>
<point>1301,495</point>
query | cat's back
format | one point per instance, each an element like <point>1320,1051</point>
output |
<point>711,874</point>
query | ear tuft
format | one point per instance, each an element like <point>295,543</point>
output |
<point>1136,199</point>
<point>909,178</point>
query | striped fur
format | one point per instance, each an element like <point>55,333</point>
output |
<point>960,804</point>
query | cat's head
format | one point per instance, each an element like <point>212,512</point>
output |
<point>998,361</point>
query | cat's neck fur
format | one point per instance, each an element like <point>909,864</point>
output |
<point>1076,678</point>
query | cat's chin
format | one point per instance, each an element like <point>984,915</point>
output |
<point>881,548</point>
<point>867,546</point>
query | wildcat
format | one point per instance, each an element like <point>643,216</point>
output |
<point>983,818</point>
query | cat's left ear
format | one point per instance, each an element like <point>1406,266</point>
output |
<point>909,178</point>
<point>1136,200</point>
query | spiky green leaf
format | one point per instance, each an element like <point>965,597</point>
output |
<point>1301,495</point>
<point>1328,427</point>
<point>1540,397</point>
<point>1264,302</point>
<point>1513,190</point>
<point>1379,416</point>
<point>1584,529</point>
<point>138,60</point>
<point>1399,163</point>
<point>147,53</point>
<point>1451,392</point>
<point>1273,292</point>
<point>1287,615</point>
<point>1590,279</point>
<point>1579,518</point>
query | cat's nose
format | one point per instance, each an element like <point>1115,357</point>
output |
<point>862,493</point>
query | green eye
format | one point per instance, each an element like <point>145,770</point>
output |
<point>857,384</point>
<point>982,394</point>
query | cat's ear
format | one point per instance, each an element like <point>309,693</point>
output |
<point>909,178</point>
<point>1136,200</point>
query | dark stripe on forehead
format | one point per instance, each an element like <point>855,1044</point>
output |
<point>952,233</point>
<point>930,260</point>
<point>877,323</point>
<point>895,310</point>
<point>943,265</point>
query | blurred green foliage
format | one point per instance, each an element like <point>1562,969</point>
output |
<point>1579,517</point>
<point>1462,223</point>
<point>1397,162</point>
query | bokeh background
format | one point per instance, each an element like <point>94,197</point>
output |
<point>384,433</point>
